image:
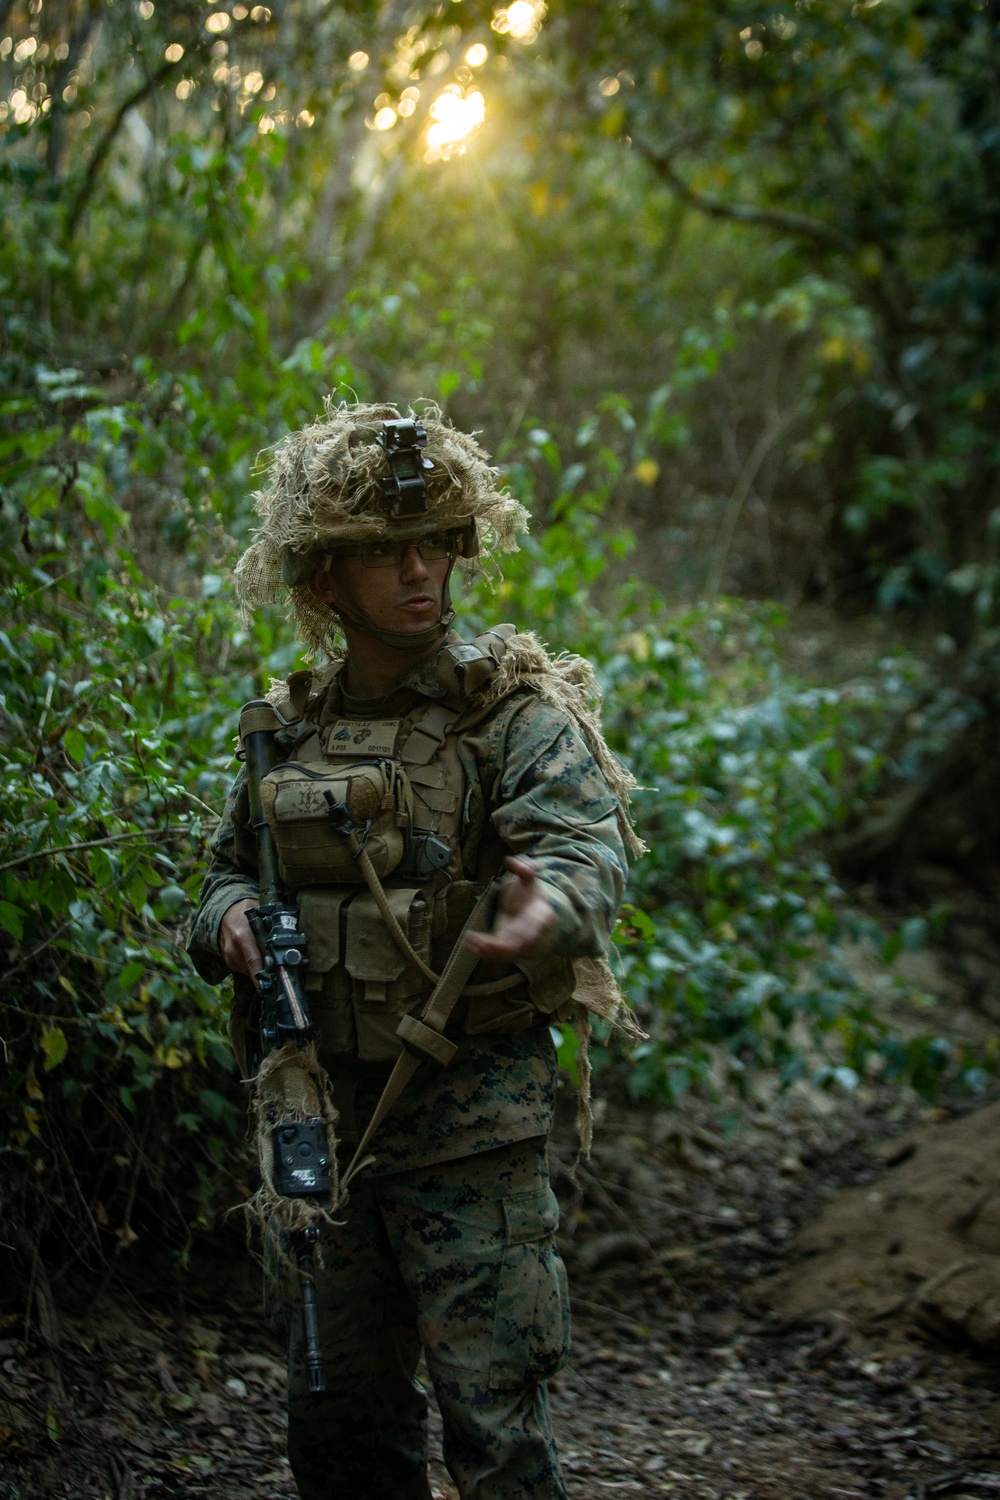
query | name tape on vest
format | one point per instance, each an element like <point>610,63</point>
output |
<point>361,737</point>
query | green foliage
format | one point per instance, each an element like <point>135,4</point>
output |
<point>118,705</point>
<point>743,773</point>
<point>861,141</point>
<point>730,942</point>
<point>717,277</point>
<point>113,1045</point>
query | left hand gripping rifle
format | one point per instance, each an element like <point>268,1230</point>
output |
<point>301,1153</point>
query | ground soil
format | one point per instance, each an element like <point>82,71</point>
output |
<point>746,1325</point>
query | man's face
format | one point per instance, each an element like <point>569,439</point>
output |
<point>405,596</point>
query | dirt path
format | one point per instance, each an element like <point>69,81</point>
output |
<point>730,1363</point>
<point>701,1368</point>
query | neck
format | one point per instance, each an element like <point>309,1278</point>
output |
<point>373,668</point>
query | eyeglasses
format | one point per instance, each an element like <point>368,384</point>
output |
<point>389,554</point>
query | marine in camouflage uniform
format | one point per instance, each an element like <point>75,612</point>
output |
<point>446,1245</point>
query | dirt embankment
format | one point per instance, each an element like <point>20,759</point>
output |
<point>919,1247</point>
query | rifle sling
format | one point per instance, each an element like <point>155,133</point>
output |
<point>424,1037</point>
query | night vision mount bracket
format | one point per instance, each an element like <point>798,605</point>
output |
<point>404,490</point>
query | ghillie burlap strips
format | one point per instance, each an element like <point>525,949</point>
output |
<point>570,683</point>
<point>324,488</point>
<point>291,1084</point>
<point>596,993</point>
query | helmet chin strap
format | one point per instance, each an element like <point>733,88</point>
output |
<point>402,640</point>
<point>405,640</point>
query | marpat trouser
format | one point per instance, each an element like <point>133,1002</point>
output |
<point>456,1260</point>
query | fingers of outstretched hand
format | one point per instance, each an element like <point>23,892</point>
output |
<point>517,894</point>
<point>237,944</point>
<point>524,919</point>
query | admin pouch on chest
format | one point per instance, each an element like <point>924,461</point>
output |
<point>309,807</point>
<point>396,786</point>
<point>366,802</point>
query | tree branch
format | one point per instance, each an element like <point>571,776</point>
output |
<point>333,259</point>
<point>744,213</point>
<point>79,36</point>
<point>107,141</point>
<point>114,838</point>
<point>779,424</point>
<point>169,317</point>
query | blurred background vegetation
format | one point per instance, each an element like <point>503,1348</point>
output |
<point>719,286</point>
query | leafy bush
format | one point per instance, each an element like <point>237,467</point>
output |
<point>730,940</point>
<point>118,711</point>
<point>118,1070</point>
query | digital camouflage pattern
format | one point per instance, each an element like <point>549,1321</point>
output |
<point>534,788</point>
<point>459,1261</point>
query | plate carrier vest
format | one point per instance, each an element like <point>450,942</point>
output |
<point>405,785</point>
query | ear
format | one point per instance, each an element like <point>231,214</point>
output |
<point>321,582</point>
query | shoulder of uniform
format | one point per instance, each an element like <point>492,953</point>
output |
<point>530,708</point>
<point>505,662</point>
<point>538,695</point>
<point>521,714</point>
<point>466,668</point>
<point>293,694</point>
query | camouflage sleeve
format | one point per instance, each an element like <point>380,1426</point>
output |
<point>231,877</point>
<point>553,804</point>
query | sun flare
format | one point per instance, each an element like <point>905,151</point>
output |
<point>454,116</point>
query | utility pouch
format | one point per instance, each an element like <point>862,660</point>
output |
<point>301,801</point>
<point>467,666</point>
<point>323,913</point>
<point>384,984</point>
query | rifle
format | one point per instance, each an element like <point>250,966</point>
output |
<point>301,1153</point>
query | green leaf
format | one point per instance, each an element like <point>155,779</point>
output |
<point>130,974</point>
<point>100,866</point>
<point>12,919</point>
<point>172,899</point>
<point>29,445</point>
<point>568,1049</point>
<point>74,744</point>
<point>54,1047</point>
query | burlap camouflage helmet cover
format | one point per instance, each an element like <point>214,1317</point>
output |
<point>324,489</point>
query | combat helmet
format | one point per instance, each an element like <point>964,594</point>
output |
<point>363,472</point>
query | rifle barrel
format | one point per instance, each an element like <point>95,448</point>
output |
<point>258,725</point>
<point>310,1315</point>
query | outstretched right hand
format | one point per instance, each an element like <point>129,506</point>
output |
<point>237,944</point>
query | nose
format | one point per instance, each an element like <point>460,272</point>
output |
<point>413,568</point>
